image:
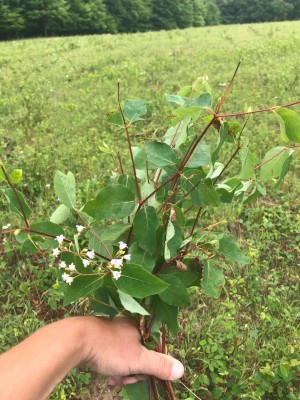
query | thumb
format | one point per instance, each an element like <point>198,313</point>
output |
<point>160,365</point>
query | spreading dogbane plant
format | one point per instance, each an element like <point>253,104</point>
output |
<point>137,247</point>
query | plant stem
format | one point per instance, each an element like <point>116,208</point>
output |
<point>129,146</point>
<point>16,194</point>
<point>196,221</point>
<point>227,89</point>
<point>256,111</point>
<point>275,155</point>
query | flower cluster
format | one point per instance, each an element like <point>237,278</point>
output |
<point>117,262</point>
<point>70,267</point>
<point>67,278</point>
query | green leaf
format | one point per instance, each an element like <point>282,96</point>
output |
<point>103,304</point>
<point>175,99</point>
<point>48,228</point>
<point>29,246</point>
<point>203,101</point>
<point>289,123</point>
<point>176,294</point>
<point>160,154</point>
<point>258,190</point>
<point>213,279</point>
<point>178,134</point>
<point>128,181</point>
<point>115,118</point>
<point>190,277</point>
<point>140,158</point>
<point>113,232</point>
<point>249,161</point>
<point>146,189</point>
<point>173,241</point>
<point>65,188</point>
<point>142,257</point>
<point>145,224</point>
<point>139,283</point>
<point>134,109</point>
<point>230,250</point>
<point>136,391</point>
<point>131,305</point>
<point>274,163</point>
<point>284,170</point>
<point>81,287</point>
<point>166,313</point>
<point>205,194</point>
<point>114,201</point>
<point>2,175</point>
<point>60,214</point>
<point>16,176</point>
<point>223,135</point>
<point>200,156</point>
<point>192,112</point>
<point>14,204</point>
<point>96,242</point>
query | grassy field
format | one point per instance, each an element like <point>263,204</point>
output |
<point>54,98</point>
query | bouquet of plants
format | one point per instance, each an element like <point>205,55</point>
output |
<point>137,247</point>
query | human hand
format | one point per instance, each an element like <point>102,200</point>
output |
<point>114,349</point>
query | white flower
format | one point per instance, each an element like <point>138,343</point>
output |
<point>6,226</point>
<point>127,257</point>
<point>86,263</point>
<point>116,275</point>
<point>80,228</point>
<point>60,239</point>
<point>72,267</point>
<point>56,252</point>
<point>122,245</point>
<point>116,262</point>
<point>67,278</point>
<point>91,254</point>
<point>47,185</point>
<point>62,264</point>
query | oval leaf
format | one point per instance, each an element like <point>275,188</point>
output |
<point>131,305</point>
<point>145,224</point>
<point>60,214</point>
<point>81,287</point>
<point>65,188</point>
<point>139,283</point>
<point>289,123</point>
<point>114,201</point>
<point>160,154</point>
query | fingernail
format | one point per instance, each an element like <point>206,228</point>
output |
<point>177,371</point>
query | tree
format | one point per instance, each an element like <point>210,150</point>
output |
<point>172,14</point>
<point>294,13</point>
<point>199,13</point>
<point>45,17</point>
<point>130,15</point>
<point>11,21</point>
<point>213,14</point>
<point>244,11</point>
<point>89,16</point>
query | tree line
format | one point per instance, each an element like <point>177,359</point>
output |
<point>31,18</point>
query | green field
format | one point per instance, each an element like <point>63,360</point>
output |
<point>54,98</point>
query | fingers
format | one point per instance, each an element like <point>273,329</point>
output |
<point>160,365</point>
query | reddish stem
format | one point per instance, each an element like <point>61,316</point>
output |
<point>228,88</point>
<point>129,146</point>
<point>256,111</point>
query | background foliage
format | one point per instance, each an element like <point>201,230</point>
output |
<point>29,18</point>
<point>54,98</point>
